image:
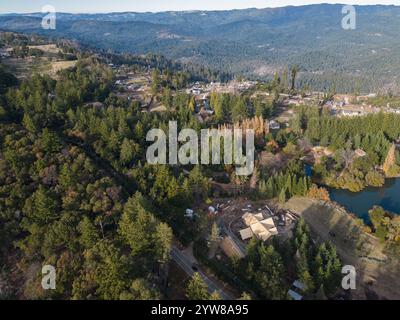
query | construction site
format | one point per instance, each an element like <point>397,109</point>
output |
<point>241,219</point>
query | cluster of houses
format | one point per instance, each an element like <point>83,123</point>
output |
<point>351,106</point>
<point>360,110</point>
<point>341,105</point>
<point>202,91</point>
<point>131,86</point>
<point>298,100</point>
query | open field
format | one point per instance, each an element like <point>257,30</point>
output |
<point>48,48</point>
<point>377,273</point>
<point>61,65</point>
<point>23,68</point>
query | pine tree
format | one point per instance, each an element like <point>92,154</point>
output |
<point>215,296</point>
<point>163,242</point>
<point>294,71</point>
<point>192,104</point>
<point>307,280</point>
<point>66,177</point>
<point>270,275</point>
<point>29,123</point>
<point>390,162</point>
<point>156,82</point>
<point>197,288</point>
<point>136,229</point>
<point>245,296</point>
<point>239,111</point>
<point>214,236</point>
<point>50,141</point>
<point>42,206</point>
<point>270,188</point>
<point>282,196</point>
<point>88,233</point>
<point>128,150</point>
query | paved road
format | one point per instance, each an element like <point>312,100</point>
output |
<point>185,263</point>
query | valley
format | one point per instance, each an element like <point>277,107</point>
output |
<point>252,42</point>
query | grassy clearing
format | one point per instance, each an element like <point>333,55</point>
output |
<point>61,65</point>
<point>24,68</point>
<point>49,48</point>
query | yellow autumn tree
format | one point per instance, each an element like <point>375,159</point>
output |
<point>319,193</point>
<point>389,166</point>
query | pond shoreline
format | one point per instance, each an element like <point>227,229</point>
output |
<point>359,203</point>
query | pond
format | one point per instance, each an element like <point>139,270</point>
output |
<point>388,197</point>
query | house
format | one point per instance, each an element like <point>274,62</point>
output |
<point>189,213</point>
<point>294,295</point>
<point>330,104</point>
<point>269,223</point>
<point>212,210</point>
<point>273,231</point>
<point>339,104</point>
<point>360,153</point>
<point>246,234</point>
<point>260,231</point>
<point>273,125</point>
<point>299,285</point>
<point>350,113</point>
<point>294,290</point>
<point>258,226</point>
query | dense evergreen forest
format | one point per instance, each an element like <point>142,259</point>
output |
<point>71,190</point>
<point>76,191</point>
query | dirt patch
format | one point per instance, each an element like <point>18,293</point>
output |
<point>61,65</point>
<point>50,48</point>
<point>24,68</point>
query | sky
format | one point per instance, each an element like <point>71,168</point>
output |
<point>94,6</point>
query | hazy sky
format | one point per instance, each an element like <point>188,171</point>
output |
<point>23,6</point>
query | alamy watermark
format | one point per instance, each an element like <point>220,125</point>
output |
<point>210,143</point>
<point>349,20</point>
<point>49,277</point>
<point>49,20</point>
<point>349,280</point>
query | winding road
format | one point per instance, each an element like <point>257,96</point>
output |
<point>185,263</point>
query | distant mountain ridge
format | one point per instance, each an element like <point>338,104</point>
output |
<point>251,42</point>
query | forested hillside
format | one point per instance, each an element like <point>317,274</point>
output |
<point>71,186</point>
<point>253,42</point>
